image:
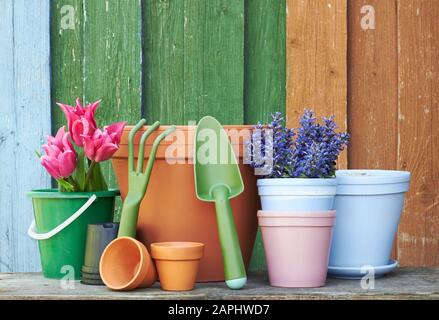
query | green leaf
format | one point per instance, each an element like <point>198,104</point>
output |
<point>65,186</point>
<point>97,181</point>
<point>75,185</point>
<point>38,154</point>
<point>80,173</point>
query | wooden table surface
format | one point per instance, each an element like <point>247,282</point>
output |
<point>404,283</point>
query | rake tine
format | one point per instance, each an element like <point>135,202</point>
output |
<point>145,136</point>
<point>131,144</point>
<point>154,152</point>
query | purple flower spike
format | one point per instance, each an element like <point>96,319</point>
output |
<point>278,152</point>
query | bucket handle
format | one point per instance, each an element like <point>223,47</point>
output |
<point>44,236</point>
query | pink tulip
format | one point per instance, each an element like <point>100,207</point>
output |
<point>81,121</point>
<point>103,143</point>
<point>60,157</point>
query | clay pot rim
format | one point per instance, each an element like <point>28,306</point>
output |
<point>188,131</point>
<point>163,127</point>
<point>299,219</point>
<point>177,250</point>
<point>136,276</point>
<point>296,214</point>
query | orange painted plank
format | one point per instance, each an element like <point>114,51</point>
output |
<point>373,85</point>
<point>316,60</point>
<point>418,129</point>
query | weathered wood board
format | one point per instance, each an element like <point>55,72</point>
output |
<point>404,284</point>
<point>373,85</point>
<point>264,73</point>
<point>194,60</point>
<point>24,124</point>
<point>316,61</point>
<point>113,63</point>
<point>418,108</point>
<point>67,56</point>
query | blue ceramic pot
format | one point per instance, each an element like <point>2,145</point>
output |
<point>369,205</point>
<point>297,194</point>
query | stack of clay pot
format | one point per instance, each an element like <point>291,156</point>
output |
<point>297,220</point>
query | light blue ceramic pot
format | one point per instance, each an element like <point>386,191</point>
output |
<point>369,205</point>
<point>297,194</point>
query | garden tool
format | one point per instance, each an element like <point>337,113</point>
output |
<point>125,263</point>
<point>138,180</point>
<point>218,179</point>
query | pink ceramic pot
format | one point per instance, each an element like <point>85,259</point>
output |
<point>297,246</point>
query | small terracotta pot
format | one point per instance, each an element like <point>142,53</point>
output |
<point>126,265</point>
<point>177,264</point>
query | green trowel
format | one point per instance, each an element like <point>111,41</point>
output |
<point>218,179</point>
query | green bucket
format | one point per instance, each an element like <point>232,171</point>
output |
<point>60,226</point>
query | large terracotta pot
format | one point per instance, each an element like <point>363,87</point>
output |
<point>171,211</point>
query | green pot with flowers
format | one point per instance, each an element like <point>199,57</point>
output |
<point>73,158</point>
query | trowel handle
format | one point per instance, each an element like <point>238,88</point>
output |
<point>234,270</point>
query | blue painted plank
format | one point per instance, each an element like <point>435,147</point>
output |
<point>24,123</point>
<point>6,126</point>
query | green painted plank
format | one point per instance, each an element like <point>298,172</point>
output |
<point>194,60</point>
<point>265,79</point>
<point>265,58</point>
<point>66,55</point>
<point>223,52</point>
<point>164,61</point>
<point>194,13</point>
<point>113,62</point>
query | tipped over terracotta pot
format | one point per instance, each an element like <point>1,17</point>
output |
<point>171,211</point>
<point>126,265</point>
<point>177,264</point>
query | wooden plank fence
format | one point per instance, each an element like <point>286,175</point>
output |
<point>175,62</point>
<point>372,63</point>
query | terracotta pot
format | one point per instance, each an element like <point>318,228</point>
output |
<point>126,265</point>
<point>170,210</point>
<point>177,264</point>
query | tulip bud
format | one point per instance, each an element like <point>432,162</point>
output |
<point>81,121</point>
<point>103,143</point>
<point>60,158</point>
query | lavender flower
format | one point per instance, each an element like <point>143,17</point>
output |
<point>270,148</point>
<point>311,153</point>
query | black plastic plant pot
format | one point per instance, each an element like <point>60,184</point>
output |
<point>91,276</point>
<point>98,237</point>
<point>92,282</point>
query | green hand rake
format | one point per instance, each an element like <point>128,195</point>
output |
<point>137,178</point>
